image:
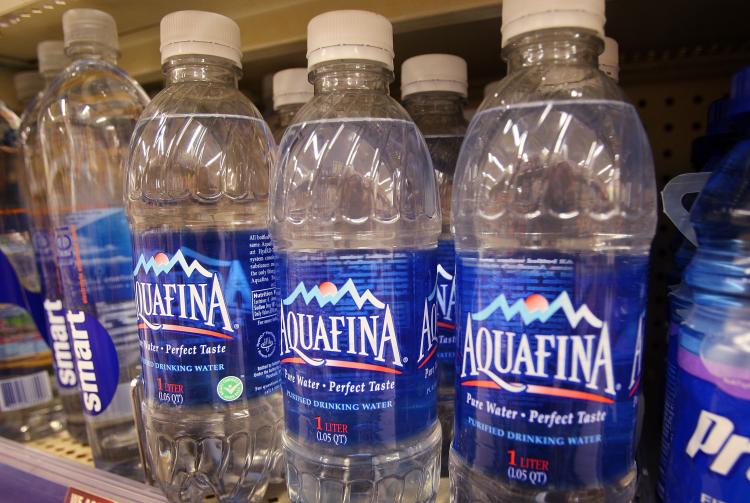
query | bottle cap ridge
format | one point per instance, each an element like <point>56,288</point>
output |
<point>200,33</point>
<point>523,16</point>
<point>349,34</point>
<point>90,25</point>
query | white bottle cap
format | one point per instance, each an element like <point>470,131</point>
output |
<point>51,56</point>
<point>89,25</point>
<point>609,60</point>
<point>523,16</point>
<point>27,85</point>
<point>198,32</point>
<point>434,72</point>
<point>291,86</point>
<point>349,34</point>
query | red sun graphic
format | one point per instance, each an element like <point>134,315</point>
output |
<point>328,288</point>
<point>161,259</point>
<point>536,302</point>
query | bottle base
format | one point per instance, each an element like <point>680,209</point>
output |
<point>74,421</point>
<point>470,486</point>
<point>35,422</point>
<point>410,475</point>
<point>195,453</point>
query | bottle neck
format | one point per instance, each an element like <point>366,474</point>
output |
<point>554,46</point>
<point>91,50</point>
<point>197,68</point>
<point>347,76</point>
<point>439,107</point>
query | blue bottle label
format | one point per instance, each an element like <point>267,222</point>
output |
<point>207,315</point>
<point>709,458</point>
<point>446,320</point>
<point>358,345</point>
<point>670,395</point>
<point>21,301</point>
<point>93,251</point>
<point>549,366</point>
<point>59,341</point>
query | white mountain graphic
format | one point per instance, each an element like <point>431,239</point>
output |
<point>178,258</point>
<point>519,307</point>
<point>443,273</point>
<point>349,288</point>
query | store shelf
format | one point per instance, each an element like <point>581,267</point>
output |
<point>62,448</point>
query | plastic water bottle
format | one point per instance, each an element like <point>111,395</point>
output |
<point>28,406</point>
<point>554,209</point>
<point>85,122</point>
<point>355,220</point>
<point>433,90</point>
<point>52,60</point>
<point>708,458</point>
<point>197,192</point>
<point>291,90</point>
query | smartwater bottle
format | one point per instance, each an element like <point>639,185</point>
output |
<point>433,91</point>
<point>29,407</point>
<point>197,190</point>
<point>85,122</point>
<point>554,209</point>
<point>355,220</point>
<point>52,60</point>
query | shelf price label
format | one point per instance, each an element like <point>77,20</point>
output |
<point>78,496</point>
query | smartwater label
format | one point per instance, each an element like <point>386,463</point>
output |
<point>93,251</point>
<point>446,309</point>
<point>709,458</point>
<point>549,366</point>
<point>358,345</point>
<point>207,315</point>
<point>59,341</point>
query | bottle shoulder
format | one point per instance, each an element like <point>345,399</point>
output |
<point>201,98</point>
<point>545,83</point>
<point>351,105</point>
<point>89,90</point>
<point>201,155</point>
<point>546,168</point>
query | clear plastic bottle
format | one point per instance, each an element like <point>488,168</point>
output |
<point>86,120</point>
<point>291,90</point>
<point>708,458</point>
<point>52,61</point>
<point>433,90</point>
<point>355,220</point>
<point>29,407</point>
<point>554,210</point>
<point>197,199</point>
